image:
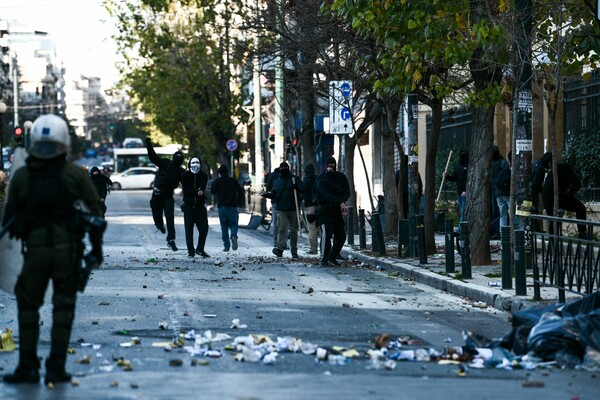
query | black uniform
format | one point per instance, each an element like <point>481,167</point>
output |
<point>167,179</point>
<point>193,185</point>
<point>102,184</point>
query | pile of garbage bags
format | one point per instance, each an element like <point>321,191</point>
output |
<point>567,334</point>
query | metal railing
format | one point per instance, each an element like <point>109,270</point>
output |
<point>567,263</point>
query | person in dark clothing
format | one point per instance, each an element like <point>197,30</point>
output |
<point>568,184</point>
<point>102,184</point>
<point>310,205</point>
<point>460,177</point>
<point>405,188</point>
<point>193,185</point>
<point>500,193</point>
<point>333,190</point>
<point>167,180</point>
<point>286,190</point>
<point>40,199</point>
<point>271,178</point>
<point>229,194</point>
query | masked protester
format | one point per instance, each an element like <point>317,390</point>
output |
<point>41,199</point>
<point>333,191</point>
<point>193,185</point>
<point>102,184</point>
<point>167,180</point>
<point>229,195</point>
<point>287,190</point>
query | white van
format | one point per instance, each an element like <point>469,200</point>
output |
<point>132,143</point>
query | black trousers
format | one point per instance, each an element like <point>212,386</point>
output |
<point>337,231</point>
<point>164,203</point>
<point>195,217</point>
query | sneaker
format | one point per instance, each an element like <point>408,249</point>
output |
<point>191,255</point>
<point>277,252</point>
<point>226,249</point>
<point>22,375</point>
<point>202,254</point>
<point>295,255</point>
<point>57,377</point>
<point>334,263</point>
<point>161,229</point>
<point>341,257</point>
<point>234,244</point>
<point>172,245</point>
<point>325,264</point>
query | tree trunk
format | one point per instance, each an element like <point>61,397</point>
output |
<point>389,181</point>
<point>431,155</point>
<point>478,185</point>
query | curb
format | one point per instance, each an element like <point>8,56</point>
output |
<point>492,296</point>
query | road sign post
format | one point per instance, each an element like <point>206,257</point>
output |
<point>340,107</point>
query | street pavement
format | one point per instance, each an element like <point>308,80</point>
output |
<point>142,280</point>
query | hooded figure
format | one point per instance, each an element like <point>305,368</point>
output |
<point>460,177</point>
<point>310,206</point>
<point>287,189</point>
<point>193,185</point>
<point>102,184</point>
<point>229,194</point>
<point>333,190</point>
<point>167,180</point>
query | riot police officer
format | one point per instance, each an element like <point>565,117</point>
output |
<point>41,198</point>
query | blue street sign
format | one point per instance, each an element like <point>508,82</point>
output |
<point>231,145</point>
<point>345,89</point>
<point>345,113</point>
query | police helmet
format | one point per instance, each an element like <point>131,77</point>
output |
<point>49,137</point>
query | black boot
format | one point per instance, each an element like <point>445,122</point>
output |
<point>55,371</point>
<point>26,372</point>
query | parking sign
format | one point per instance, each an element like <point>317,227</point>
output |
<point>340,107</point>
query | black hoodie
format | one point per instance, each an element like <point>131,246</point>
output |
<point>190,183</point>
<point>169,172</point>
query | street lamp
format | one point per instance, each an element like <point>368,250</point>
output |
<point>3,109</point>
<point>27,125</point>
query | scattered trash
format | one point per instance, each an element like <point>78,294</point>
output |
<point>480,304</point>
<point>235,324</point>
<point>494,284</point>
<point>210,315</point>
<point>176,362</point>
<point>163,325</point>
<point>6,341</point>
<point>533,384</point>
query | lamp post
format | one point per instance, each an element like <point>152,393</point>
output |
<point>27,125</point>
<point>3,109</point>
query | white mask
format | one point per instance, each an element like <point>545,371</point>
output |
<point>195,165</point>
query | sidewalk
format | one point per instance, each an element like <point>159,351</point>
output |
<point>483,290</point>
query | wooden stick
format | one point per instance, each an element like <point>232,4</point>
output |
<point>443,177</point>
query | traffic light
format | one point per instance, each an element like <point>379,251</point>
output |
<point>18,131</point>
<point>272,140</point>
<point>111,126</point>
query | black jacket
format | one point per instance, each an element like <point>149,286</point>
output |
<point>284,189</point>
<point>169,173</point>
<point>228,190</point>
<point>332,190</point>
<point>101,182</point>
<point>460,177</point>
<point>309,185</point>
<point>190,183</point>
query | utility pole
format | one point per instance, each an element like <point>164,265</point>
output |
<point>522,139</point>
<point>412,107</point>
<point>279,98</point>
<point>258,130</point>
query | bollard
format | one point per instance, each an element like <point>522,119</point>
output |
<point>412,236</point>
<point>362,230</point>
<point>465,252</point>
<point>421,239</point>
<point>351,225</point>
<point>520,279</point>
<point>378,233</point>
<point>449,229</point>
<point>506,258</point>
<point>402,238</point>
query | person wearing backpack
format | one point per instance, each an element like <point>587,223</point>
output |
<point>41,201</point>
<point>502,190</point>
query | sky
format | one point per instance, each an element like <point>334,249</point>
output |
<point>82,37</point>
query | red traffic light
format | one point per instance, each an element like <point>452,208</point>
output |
<point>18,131</point>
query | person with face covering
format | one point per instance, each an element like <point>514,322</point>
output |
<point>287,189</point>
<point>167,180</point>
<point>102,183</point>
<point>193,185</point>
<point>333,190</point>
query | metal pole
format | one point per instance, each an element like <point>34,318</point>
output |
<point>449,236</point>
<point>506,258</point>
<point>412,109</point>
<point>259,166</point>
<point>520,280</point>
<point>351,225</point>
<point>465,254</point>
<point>362,232</point>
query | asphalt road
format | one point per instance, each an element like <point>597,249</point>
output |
<point>147,294</point>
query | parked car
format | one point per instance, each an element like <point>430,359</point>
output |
<point>134,178</point>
